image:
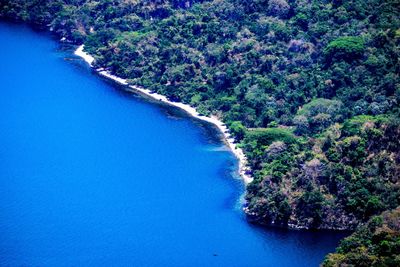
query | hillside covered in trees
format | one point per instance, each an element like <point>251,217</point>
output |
<point>375,244</point>
<point>310,89</point>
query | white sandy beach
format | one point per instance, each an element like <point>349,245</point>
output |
<point>238,152</point>
<point>88,58</point>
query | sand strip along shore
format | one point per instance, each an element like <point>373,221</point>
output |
<point>238,152</point>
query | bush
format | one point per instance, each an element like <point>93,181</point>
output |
<point>238,130</point>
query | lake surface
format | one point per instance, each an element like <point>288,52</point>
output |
<point>91,176</point>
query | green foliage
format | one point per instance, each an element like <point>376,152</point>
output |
<point>310,205</point>
<point>318,115</point>
<point>264,137</point>
<point>238,130</point>
<point>336,180</point>
<point>347,47</point>
<point>354,125</point>
<point>375,244</point>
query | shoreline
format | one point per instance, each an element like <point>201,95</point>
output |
<point>228,140</point>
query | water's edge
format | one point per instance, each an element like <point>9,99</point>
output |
<point>226,136</point>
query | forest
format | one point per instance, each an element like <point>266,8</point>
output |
<point>310,90</point>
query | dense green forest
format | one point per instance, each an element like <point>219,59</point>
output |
<point>310,89</point>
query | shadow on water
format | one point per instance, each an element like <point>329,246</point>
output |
<point>307,239</point>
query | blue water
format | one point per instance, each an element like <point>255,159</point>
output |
<point>91,176</point>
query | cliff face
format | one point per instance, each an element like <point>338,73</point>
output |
<point>351,173</point>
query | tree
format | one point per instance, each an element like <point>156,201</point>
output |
<point>238,130</point>
<point>347,47</point>
<point>317,115</point>
<point>278,8</point>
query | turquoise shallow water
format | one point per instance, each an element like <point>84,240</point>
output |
<point>91,176</point>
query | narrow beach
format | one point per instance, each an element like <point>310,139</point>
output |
<point>238,152</point>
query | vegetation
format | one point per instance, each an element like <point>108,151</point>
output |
<point>346,47</point>
<point>335,180</point>
<point>310,90</point>
<point>375,244</point>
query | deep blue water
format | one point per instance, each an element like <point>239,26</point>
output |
<point>91,176</point>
